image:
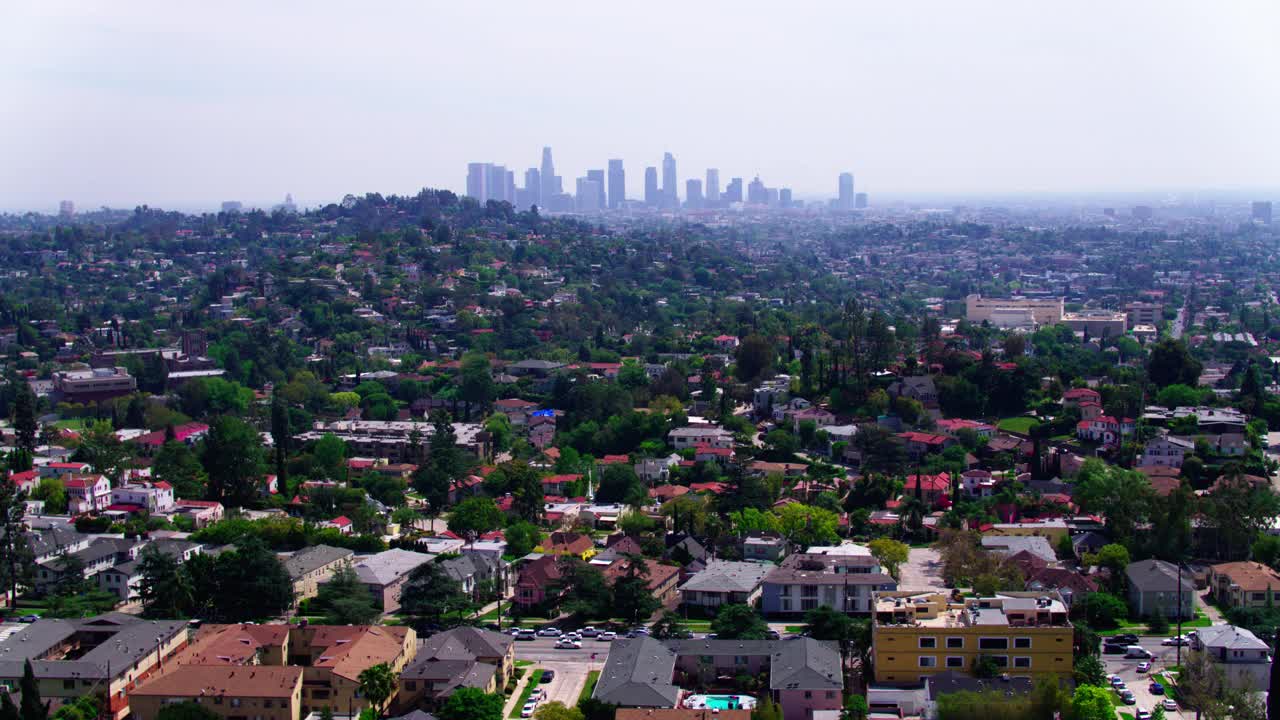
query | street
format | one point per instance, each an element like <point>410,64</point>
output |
<point>542,650</point>
<point>1139,683</point>
<point>922,571</point>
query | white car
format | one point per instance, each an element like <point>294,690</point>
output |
<point>1169,705</point>
<point>609,636</point>
<point>568,644</point>
<point>588,631</point>
<point>1115,680</point>
<point>527,710</point>
<point>1144,666</point>
<point>1143,715</point>
<point>549,632</point>
<point>1176,641</point>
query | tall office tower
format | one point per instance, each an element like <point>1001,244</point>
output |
<point>733,191</point>
<point>589,193</point>
<point>66,208</point>
<point>617,184</point>
<point>860,200</point>
<point>597,176</point>
<point>228,206</point>
<point>651,186</point>
<point>478,181</point>
<point>497,184</point>
<point>550,183</point>
<point>1261,211</point>
<point>509,188</point>
<point>532,188</point>
<point>693,194</point>
<point>845,201</point>
<point>713,187</point>
<point>669,181</point>
<point>757,193</point>
<point>784,197</point>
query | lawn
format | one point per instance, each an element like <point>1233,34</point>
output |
<point>590,686</point>
<point>796,629</point>
<point>529,687</point>
<point>76,424</point>
<point>1020,424</point>
<point>1140,628</point>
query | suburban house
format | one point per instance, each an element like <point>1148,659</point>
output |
<point>87,493</point>
<point>920,389</point>
<point>916,635</point>
<point>764,546</point>
<point>568,543</point>
<point>125,579</point>
<point>804,674</point>
<point>1078,396</point>
<point>538,582</point>
<point>1244,584</point>
<point>953,426</point>
<point>1244,659</point>
<point>656,470</point>
<point>386,573</point>
<point>313,565</point>
<point>98,556</point>
<point>454,659</point>
<point>806,581</point>
<point>1105,429</point>
<point>476,571</point>
<point>1154,588</point>
<point>931,489</point>
<point>155,498</point>
<point>662,580</point>
<point>919,444</point>
<point>724,582</point>
<point>1165,451</point>
<point>692,436</point>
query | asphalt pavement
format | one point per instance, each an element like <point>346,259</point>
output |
<point>542,650</point>
<point>1139,683</point>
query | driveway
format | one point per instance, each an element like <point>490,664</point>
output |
<point>568,682</point>
<point>1139,683</point>
<point>922,571</point>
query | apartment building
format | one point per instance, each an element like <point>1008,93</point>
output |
<point>1244,584</point>
<point>805,581</point>
<point>232,692</point>
<point>918,634</point>
<point>311,566</point>
<point>1013,312</point>
<point>94,384</point>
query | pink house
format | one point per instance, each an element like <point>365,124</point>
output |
<point>726,342</point>
<point>1104,429</point>
<point>201,512</point>
<point>87,493</point>
<point>1078,396</point>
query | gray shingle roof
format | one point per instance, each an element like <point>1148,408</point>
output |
<point>638,674</point>
<point>129,640</point>
<point>1230,637</point>
<point>728,576</point>
<point>388,566</point>
<point>1157,576</point>
<point>313,558</point>
<point>805,664</point>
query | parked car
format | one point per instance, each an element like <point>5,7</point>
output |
<point>1177,641</point>
<point>588,631</point>
<point>1137,651</point>
<point>1128,698</point>
<point>1110,649</point>
<point>527,710</point>
<point>28,618</point>
<point>1125,639</point>
<point>773,635</point>
<point>526,635</point>
<point>608,636</point>
<point>1169,705</point>
<point>549,632</point>
<point>1116,681</point>
<point>1143,715</point>
<point>1144,666</point>
<point>568,644</point>
<point>548,676</point>
<point>1156,688</point>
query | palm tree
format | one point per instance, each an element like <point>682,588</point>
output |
<point>377,683</point>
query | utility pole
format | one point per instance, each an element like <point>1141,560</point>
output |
<point>1179,596</point>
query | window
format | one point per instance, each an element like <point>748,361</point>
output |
<point>831,694</point>
<point>1259,596</point>
<point>1000,660</point>
<point>217,699</point>
<point>1022,662</point>
<point>410,685</point>
<point>739,659</point>
<point>928,661</point>
<point>235,702</point>
<point>1022,643</point>
<point>68,684</point>
<point>955,643</point>
<point>928,643</point>
<point>808,694</point>
<point>955,662</point>
<point>266,703</point>
<point>993,643</point>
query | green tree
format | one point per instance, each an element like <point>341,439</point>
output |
<point>176,464</point>
<point>53,493</point>
<point>587,592</point>
<point>1090,702</point>
<point>233,458</point>
<point>754,358</point>
<point>739,622</point>
<point>522,537</point>
<point>17,563</point>
<point>619,484</point>
<point>1089,670</point>
<point>526,490</point>
<point>855,708</point>
<point>891,554</point>
<point>1171,363</point>
<point>475,385</point>
<point>669,626</point>
<point>377,685</point>
<point>766,709</point>
<point>32,707</point>
<point>475,516</point>
<point>632,598</point>
<point>100,447</point>
<point>281,438</point>
<point>808,525</point>
<point>430,595</point>
<point>25,425</point>
<point>250,583</point>
<point>471,704</point>
<point>345,600</point>
<point>330,453</point>
<point>1101,610</point>
<point>164,588</point>
<point>827,623</point>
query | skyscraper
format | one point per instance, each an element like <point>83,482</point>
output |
<point>757,193</point>
<point>712,196</point>
<point>693,193</point>
<point>669,181</point>
<point>597,176</point>
<point>550,183</point>
<point>496,185</point>
<point>860,200</point>
<point>845,201</point>
<point>66,208</point>
<point>617,184</point>
<point>589,194</point>
<point>1261,211</point>
<point>532,188</point>
<point>733,191</point>
<point>651,186</point>
<point>478,181</point>
<point>784,197</point>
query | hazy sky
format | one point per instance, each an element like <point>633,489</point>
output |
<point>185,104</point>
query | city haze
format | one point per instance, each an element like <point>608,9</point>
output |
<point>127,104</point>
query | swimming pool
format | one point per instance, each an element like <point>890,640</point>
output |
<point>720,702</point>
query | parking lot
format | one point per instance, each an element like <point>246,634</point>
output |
<point>1127,669</point>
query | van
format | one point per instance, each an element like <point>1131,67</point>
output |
<point>1137,651</point>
